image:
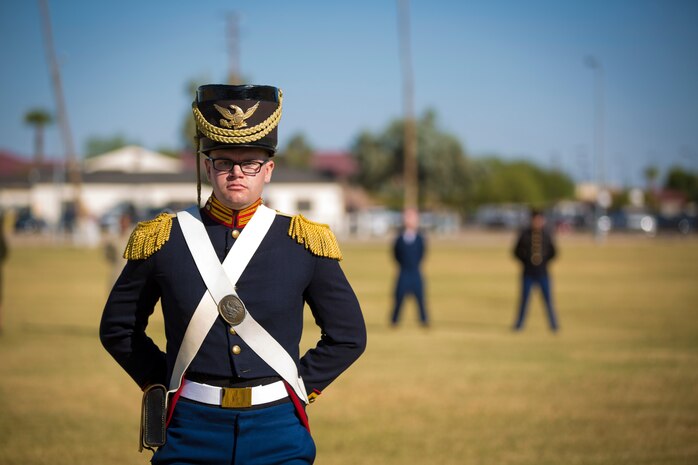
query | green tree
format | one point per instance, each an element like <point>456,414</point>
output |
<point>97,145</point>
<point>619,199</point>
<point>519,181</point>
<point>38,118</point>
<point>651,174</point>
<point>168,152</point>
<point>556,185</point>
<point>444,175</point>
<point>683,181</point>
<point>298,153</point>
<point>445,171</point>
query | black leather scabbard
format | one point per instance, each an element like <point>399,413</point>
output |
<point>153,417</point>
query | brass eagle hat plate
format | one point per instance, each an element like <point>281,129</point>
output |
<point>229,116</point>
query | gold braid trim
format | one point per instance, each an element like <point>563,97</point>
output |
<point>316,237</point>
<point>536,247</point>
<point>238,136</point>
<point>148,237</point>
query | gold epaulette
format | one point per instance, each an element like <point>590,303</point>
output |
<point>316,237</point>
<point>148,237</point>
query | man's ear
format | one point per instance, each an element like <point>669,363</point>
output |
<point>207,168</point>
<point>268,168</point>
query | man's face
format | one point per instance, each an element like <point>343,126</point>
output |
<point>538,221</point>
<point>234,189</point>
<point>411,219</point>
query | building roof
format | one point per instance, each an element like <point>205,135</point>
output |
<point>295,175</point>
<point>11,164</point>
<point>18,171</point>
<point>129,165</point>
<point>132,159</point>
<point>336,164</point>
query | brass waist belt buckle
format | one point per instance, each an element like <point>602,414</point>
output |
<point>236,397</point>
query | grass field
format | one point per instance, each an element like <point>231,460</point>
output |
<point>618,384</point>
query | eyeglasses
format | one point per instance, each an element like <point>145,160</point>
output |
<point>249,167</point>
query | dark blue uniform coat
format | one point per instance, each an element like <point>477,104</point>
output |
<point>409,257</point>
<point>281,277</point>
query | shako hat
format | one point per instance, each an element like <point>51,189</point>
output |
<point>237,116</point>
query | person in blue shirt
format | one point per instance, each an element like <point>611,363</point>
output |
<point>409,249</point>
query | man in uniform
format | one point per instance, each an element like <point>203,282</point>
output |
<point>534,249</point>
<point>408,250</point>
<point>231,406</point>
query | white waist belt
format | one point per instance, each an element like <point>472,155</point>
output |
<point>233,397</point>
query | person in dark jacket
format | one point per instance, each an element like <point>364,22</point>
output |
<point>231,406</point>
<point>408,250</point>
<point>535,249</point>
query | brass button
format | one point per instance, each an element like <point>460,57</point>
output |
<point>236,349</point>
<point>232,331</point>
<point>235,233</point>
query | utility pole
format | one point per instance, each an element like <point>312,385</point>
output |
<point>603,200</point>
<point>410,135</point>
<point>62,114</point>
<point>233,31</point>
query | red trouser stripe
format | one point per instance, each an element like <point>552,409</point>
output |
<point>172,403</point>
<point>298,404</point>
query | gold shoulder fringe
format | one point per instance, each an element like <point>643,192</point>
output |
<point>316,237</point>
<point>148,237</point>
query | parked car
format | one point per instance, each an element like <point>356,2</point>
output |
<point>504,216</point>
<point>682,223</point>
<point>26,222</point>
<point>110,220</point>
<point>634,220</point>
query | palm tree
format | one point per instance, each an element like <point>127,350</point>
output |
<point>39,119</point>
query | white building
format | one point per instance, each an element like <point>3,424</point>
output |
<point>151,181</point>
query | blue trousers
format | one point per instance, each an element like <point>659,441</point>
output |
<point>409,282</point>
<point>208,435</point>
<point>543,282</point>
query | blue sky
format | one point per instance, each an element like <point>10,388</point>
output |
<point>506,77</point>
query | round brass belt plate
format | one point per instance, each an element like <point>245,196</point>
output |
<point>232,309</point>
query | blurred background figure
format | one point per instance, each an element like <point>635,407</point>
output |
<point>3,257</point>
<point>114,247</point>
<point>409,249</point>
<point>534,249</point>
